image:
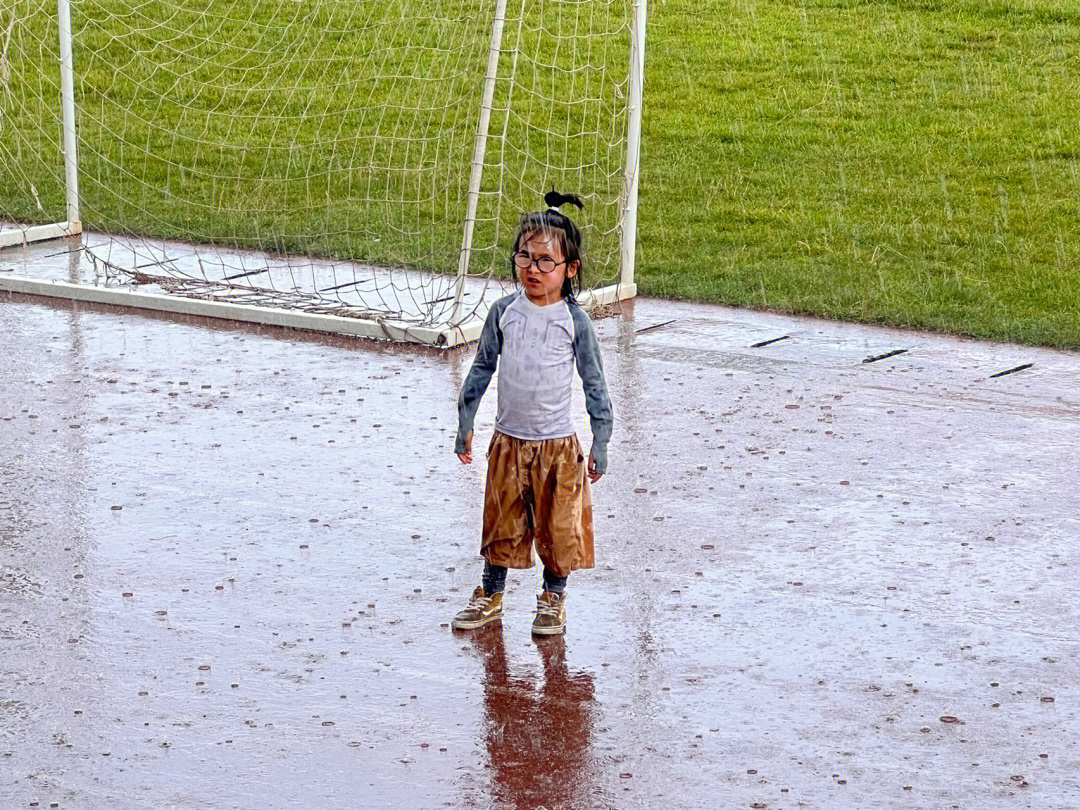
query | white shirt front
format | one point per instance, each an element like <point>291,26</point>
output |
<point>536,370</point>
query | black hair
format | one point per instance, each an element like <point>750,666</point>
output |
<point>554,223</point>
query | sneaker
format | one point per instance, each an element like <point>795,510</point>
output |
<point>550,614</point>
<point>480,610</point>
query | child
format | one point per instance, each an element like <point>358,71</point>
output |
<point>537,489</point>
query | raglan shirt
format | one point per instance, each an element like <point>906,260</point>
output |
<point>535,350</point>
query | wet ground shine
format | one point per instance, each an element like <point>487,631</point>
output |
<point>228,560</point>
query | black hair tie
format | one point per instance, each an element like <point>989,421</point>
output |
<point>554,199</point>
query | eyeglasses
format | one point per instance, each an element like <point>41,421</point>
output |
<point>545,264</point>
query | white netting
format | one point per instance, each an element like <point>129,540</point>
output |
<point>315,153</point>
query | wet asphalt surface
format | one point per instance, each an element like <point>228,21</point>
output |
<point>228,560</point>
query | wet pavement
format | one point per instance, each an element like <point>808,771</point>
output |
<point>229,556</point>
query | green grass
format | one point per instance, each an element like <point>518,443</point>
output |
<point>912,162</point>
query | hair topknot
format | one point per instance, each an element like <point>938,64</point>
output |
<point>554,199</point>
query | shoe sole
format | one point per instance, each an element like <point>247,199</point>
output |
<point>549,631</point>
<point>456,625</point>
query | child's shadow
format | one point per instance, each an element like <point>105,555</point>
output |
<point>537,734</point>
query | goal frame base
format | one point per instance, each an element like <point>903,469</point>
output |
<point>445,336</point>
<point>13,235</point>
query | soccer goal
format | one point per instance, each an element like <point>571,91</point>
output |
<point>349,166</point>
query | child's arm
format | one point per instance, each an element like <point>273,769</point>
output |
<point>597,402</point>
<point>476,383</point>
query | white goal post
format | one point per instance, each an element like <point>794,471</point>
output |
<point>71,226</point>
<point>553,105</point>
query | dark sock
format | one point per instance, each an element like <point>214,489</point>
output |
<point>494,578</point>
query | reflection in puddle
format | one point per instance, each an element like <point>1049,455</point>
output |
<point>537,726</point>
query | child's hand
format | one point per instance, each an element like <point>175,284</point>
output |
<point>594,476</point>
<point>466,457</point>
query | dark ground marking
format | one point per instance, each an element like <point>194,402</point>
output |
<point>885,356</point>
<point>654,326</point>
<point>770,340</point>
<point>1012,370</point>
<point>246,273</point>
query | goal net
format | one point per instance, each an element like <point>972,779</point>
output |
<point>361,160</point>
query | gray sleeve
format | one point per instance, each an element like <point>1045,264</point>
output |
<point>591,368</point>
<point>487,358</point>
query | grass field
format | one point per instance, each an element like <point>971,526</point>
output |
<point>913,162</point>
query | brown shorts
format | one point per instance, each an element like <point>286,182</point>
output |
<point>537,492</point>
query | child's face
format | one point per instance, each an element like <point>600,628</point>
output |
<point>543,249</point>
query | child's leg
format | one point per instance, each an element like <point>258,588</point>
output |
<point>508,535</point>
<point>564,533</point>
<point>564,525</point>
<point>553,583</point>
<point>508,532</point>
<point>494,578</point>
